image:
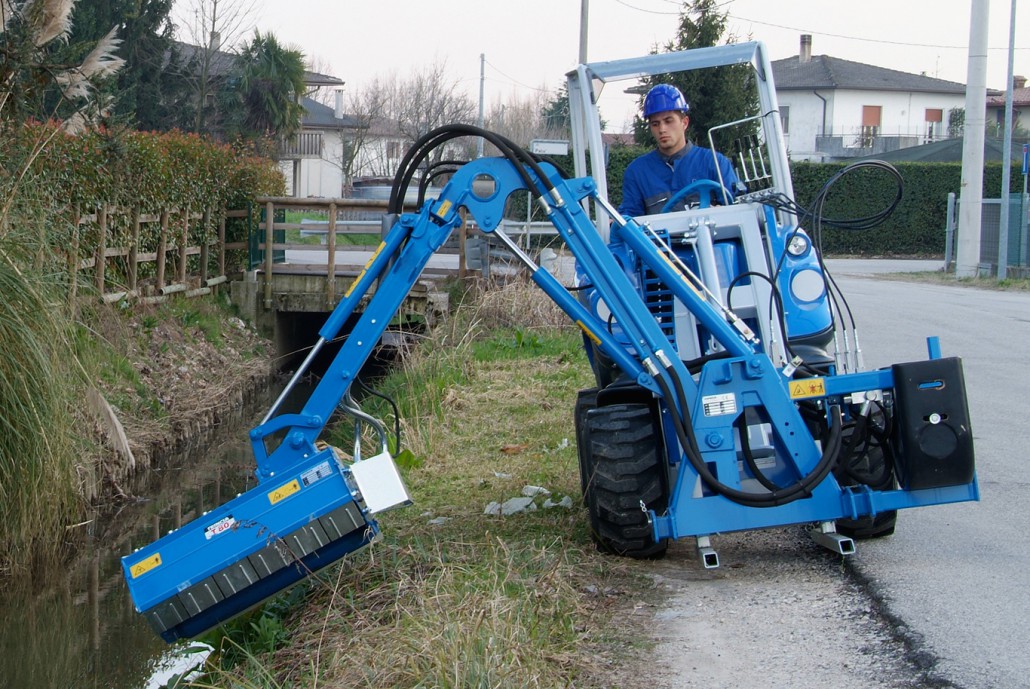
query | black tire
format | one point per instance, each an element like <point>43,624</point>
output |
<point>869,527</point>
<point>627,468</point>
<point>873,467</point>
<point>585,401</point>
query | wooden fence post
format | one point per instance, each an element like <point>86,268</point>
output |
<point>330,273</point>
<point>221,242</point>
<point>101,261</point>
<point>162,248</point>
<point>73,257</point>
<point>183,244</point>
<point>134,250</point>
<point>269,240</point>
<point>204,248</point>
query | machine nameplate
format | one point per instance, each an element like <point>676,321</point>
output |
<point>144,566</point>
<point>284,491</point>
<point>720,405</point>
<point>316,473</point>
<point>807,387</point>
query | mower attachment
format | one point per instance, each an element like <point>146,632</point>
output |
<point>258,544</point>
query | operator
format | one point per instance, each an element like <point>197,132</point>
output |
<point>653,178</point>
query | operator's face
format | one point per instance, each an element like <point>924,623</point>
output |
<point>670,130</point>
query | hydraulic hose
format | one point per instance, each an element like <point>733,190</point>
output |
<point>685,433</point>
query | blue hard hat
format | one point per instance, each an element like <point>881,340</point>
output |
<point>664,97</point>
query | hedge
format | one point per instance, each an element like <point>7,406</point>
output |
<point>146,171</point>
<point>916,228</point>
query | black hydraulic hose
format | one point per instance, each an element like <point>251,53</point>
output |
<point>777,300</point>
<point>519,158</point>
<point>433,172</point>
<point>782,496</point>
<point>749,457</point>
<point>389,400</point>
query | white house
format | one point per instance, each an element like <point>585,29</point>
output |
<point>314,160</point>
<point>1020,109</point>
<point>834,109</point>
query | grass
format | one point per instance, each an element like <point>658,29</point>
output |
<point>941,278</point>
<point>39,382</point>
<point>451,596</point>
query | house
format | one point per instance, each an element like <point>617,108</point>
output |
<point>1020,110</point>
<point>834,109</point>
<point>315,160</point>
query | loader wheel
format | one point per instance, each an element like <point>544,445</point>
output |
<point>585,401</point>
<point>626,458</point>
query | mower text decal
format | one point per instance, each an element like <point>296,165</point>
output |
<point>284,491</point>
<point>807,387</point>
<point>316,473</point>
<point>220,526</point>
<point>144,566</point>
<point>719,405</point>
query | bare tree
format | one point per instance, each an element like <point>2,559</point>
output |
<point>212,26</point>
<point>397,112</point>
<point>521,119</point>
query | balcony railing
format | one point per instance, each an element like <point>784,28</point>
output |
<point>303,145</point>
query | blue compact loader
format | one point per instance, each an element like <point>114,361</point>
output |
<point>730,391</point>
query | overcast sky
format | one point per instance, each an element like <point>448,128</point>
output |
<point>530,44</point>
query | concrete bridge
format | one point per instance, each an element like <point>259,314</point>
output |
<point>291,288</point>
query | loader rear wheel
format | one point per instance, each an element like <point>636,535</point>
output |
<point>626,469</point>
<point>585,401</point>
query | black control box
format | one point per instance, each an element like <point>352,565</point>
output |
<point>933,441</point>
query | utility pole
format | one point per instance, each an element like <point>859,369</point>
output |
<point>967,260</point>
<point>482,80</point>
<point>1006,157</point>
<point>584,13</point>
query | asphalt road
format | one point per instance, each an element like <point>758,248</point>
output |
<point>943,602</point>
<point>957,576</point>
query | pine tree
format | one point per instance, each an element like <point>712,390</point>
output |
<point>716,95</point>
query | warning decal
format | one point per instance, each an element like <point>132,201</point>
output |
<point>144,566</point>
<point>284,491</point>
<point>807,387</point>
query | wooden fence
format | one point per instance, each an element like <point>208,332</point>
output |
<point>172,237</point>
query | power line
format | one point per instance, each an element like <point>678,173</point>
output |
<point>515,81</point>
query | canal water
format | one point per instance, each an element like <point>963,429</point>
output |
<point>78,628</point>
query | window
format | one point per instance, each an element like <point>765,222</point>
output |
<point>785,118</point>
<point>870,124</point>
<point>393,149</point>
<point>934,123</point>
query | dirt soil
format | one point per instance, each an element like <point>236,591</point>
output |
<point>188,378</point>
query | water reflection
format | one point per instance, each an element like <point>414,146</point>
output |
<point>79,628</point>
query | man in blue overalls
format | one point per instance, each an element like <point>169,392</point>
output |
<point>653,178</point>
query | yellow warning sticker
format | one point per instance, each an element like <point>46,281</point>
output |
<point>807,387</point>
<point>284,491</point>
<point>443,209</point>
<point>145,565</point>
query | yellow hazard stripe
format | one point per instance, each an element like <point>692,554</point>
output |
<point>364,270</point>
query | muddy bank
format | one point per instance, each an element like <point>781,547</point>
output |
<point>188,379</point>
